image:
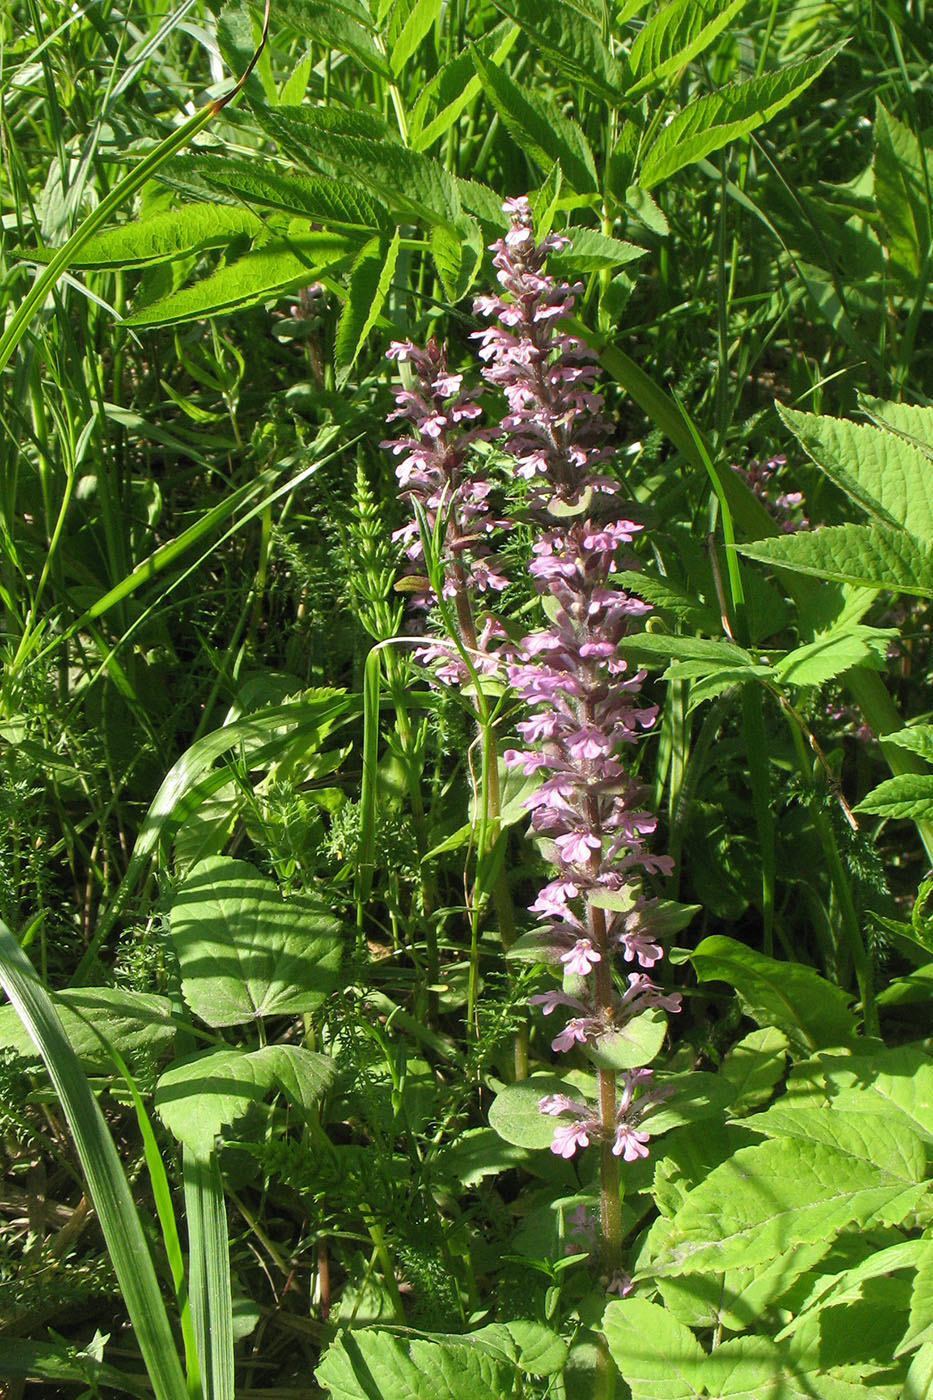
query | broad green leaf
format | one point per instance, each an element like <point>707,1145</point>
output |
<point>812,1012</point>
<point>341,25</point>
<point>895,1081</point>
<point>476,1154</point>
<point>754,1066</point>
<point>538,126</point>
<point>711,122</point>
<point>541,1352</point>
<point>747,1210</point>
<point>910,795</point>
<point>367,289</point>
<point>902,193</point>
<point>630,1046</point>
<point>374,1365</point>
<point>675,34</point>
<point>911,421</point>
<point>136,1024</point>
<point>658,1357</point>
<point>918,1383</point>
<point>335,203</point>
<point>177,233</point>
<point>573,41</point>
<point>244,952</point>
<point>871,556</point>
<point>886,475</point>
<point>592,251</point>
<point>516,1117</point>
<point>261,274</point>
<point>920,1321</point>
<point>916,737</point>
<point>421,18</point>
<point>204,1093</point>
<point>455,86</point>
<point>829,656</point>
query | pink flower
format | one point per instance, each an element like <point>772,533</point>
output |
<point>582,958</point>
<point>568,1137</point>
<point>629,1144</point>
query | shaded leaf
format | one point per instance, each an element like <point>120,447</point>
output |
<point>910,795</point>
<point>658,1357</point>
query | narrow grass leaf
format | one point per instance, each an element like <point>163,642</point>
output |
<point>211,1289</point>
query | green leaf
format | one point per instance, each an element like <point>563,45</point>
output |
<point>341,25</point>
<point>754,1066</point>
<point>262,274</point>
<point>910,421</point>
<point>136,1024</point>
<point>895,1081</point>
<point>675,34</point>
<point>829,656</point>
<point>454,87</point>
<point>573,42</point>
<point>541,1352</point>
<point>886,475</point>
<point>176,233</point>
<point>910,795</point>
<point>632,1045</point>
<point>664,593</point>
<point>870,556</point>
<point>658,1357</point>
<point>374,1365</point>
<point>711,122</point>
<point>204,1093</point>
<point>917,737</point>
<point>516,1117</point>
<point>367,289</point>
<point>902,194</point>
<point>422,17</point>
<point>539,127</point>
<point>457,253</point>
<point>747,1209</point>
<point>920,1322</point>
<point>107,1185</point>
<point>209,1283</point>
<point>656,647</point>
<point>335,203</point>
<point>812,1011</point>
<point>592,251</point>
<point>918,1383</point>
<point>244,952</point>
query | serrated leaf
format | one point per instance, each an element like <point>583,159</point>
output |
<point>657,1356</point>
<point>910,795</point>
<point>663,593</point>
<point>176,233</point>
<point>573,41</point>
<point>367,288</point>
<point>457,252</point>
<point>538,126</point>
<point>829,656</point>
<point>902,194</point>
<point>754,1066</point>
<point>917,737</point>
<point>746,1211</point>
<point>136,1024</point>
<point>421,18</point>
<point>336,203</point>
<point>364,1365</point>
<point>455,86</point>
<point>914,422</point>
<point>656,647</point>
<point>337,24</point>
<point>261,274</point>
<point>920,1321</point>
<point>870,556</point>
<point>244,952</point>
<point>541,1352</point>
<point>516,1117</point>
<point>886,475</point>
<point>813,1012</point>
<point>711,122</point>
<point>675,34</point>
<point>205,1093</point>
<point>895,1081</point>
<point>592,251</point>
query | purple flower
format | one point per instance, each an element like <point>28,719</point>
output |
<point>568,1137</point>
<point>582,958</point>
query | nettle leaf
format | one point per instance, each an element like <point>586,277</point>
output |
<point>205,1093</point>
<point>871,556</point>
<point>674,35</point>
<point>245,952</point>
<point>539,127</point>
<point>886,475</point>
<point>516,1117</point>
<point>573,41</point>
<point>136,1024</point>
<point>335,203</point>
<point>421,18</point>
<point>541,1352</point>
<point>911,421</point>
<point>592,251</point>
<point>747,1209</point>
<point>339,24</point>
<point>367,288</point>
<point>176,233</point>
<point>917,737</point>
<point>262,274</point>
<point>365,1364</point>
<point>829,656</point>
<point>901,193</point>
<point>910,795</point>
<point>813,1012</point>
<point>657,1356</point>
<point>711,122</point>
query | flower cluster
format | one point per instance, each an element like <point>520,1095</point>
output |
<point>785,506</point>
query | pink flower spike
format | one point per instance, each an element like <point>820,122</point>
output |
<point>581,958</point>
